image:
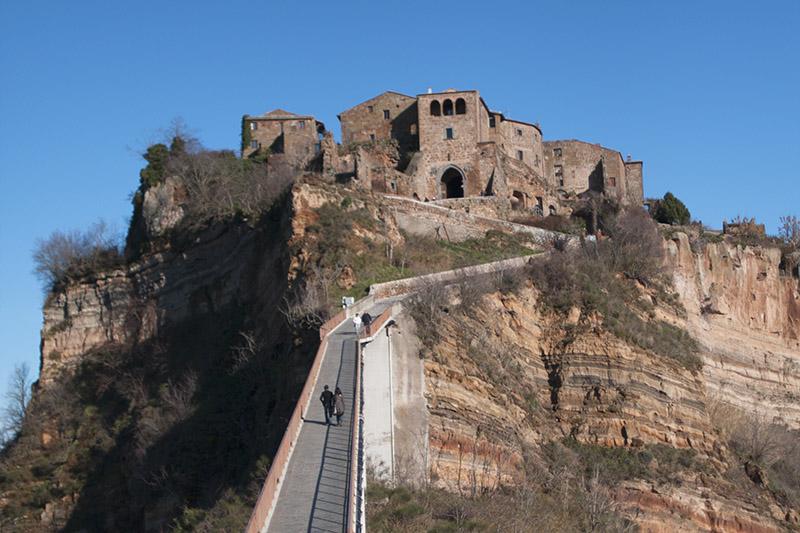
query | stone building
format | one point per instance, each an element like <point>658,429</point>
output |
<point>576,166</point>
<point>389,115</point>
<point>444,145</point>
<point>454,146</point>
<point>279,132</point>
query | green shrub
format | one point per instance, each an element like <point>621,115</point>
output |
<point>670,210</point>
<point>157,156</point>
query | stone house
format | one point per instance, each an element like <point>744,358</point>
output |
<point>576,167</point>
<point>294,137</point>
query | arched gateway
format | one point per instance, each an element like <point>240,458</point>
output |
<point>453,183</point>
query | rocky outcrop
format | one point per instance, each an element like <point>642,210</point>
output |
<point>503,379</point>
<point>215,268</point>
<point>522,383</point>
<point>746,314</point>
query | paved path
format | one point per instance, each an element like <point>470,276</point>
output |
<point>313,496</point>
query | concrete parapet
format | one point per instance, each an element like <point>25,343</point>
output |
<point>409,285</point>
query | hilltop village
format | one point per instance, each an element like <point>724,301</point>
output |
<point>444,145</point>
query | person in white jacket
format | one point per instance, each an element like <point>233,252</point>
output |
<point>357,323</point>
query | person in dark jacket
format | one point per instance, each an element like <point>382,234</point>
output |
<point>338,402</point>
<point>327,403</point>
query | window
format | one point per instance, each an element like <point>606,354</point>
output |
<point>552,210</point>
<point>393,185</point>
<point>559,174</point>
<point>254,145</point>
<point>612,182</point>
<point>253,126</point>
<point>385,114</point>
<point>301,125</point>
<point>461,107</point>
<point>436,108</point>
<point>520,155</point>
<point>519,132</point>
<point>369,108</point>
<point>372,137</point>
<point>491,121</point>
<point>557,152</point>
<point>447,108</point>
<point>448,133</point>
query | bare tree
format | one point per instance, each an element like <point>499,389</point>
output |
<point>64,254</point>
<point>789,230</point>
<point>17,397</point>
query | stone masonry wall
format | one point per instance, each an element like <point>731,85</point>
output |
<point>298,141</point>
<point>439,153</point>
<point>366,122</point>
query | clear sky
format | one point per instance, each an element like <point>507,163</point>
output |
<point>706,93</point>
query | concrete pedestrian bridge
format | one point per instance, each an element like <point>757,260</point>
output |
<point>316,482</point>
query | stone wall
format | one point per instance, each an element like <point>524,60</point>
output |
<point>296,138</point>
<point>441,153</point>
<point>634,182</point>
<point>368,121</point>
<point>577,166</point>
<point>423,218</point>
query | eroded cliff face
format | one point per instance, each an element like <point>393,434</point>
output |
<point>224,266</point>
<point>504,378</point>
<point>746,315</point>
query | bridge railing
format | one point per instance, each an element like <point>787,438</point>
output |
<point>268,496</point>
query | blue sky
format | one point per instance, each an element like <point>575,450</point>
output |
<point>706,93</point>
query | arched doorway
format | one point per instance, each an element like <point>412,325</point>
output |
<point>453,183</point>
<point>517,200</point>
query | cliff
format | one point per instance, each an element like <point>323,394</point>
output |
<point>746,314</point>
<point>505,378</point>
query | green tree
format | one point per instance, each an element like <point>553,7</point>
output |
<point>156,157</point>
<point>671,210</point>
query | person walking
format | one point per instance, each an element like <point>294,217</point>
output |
<point>338,401</point>
<point>357,323</point>
<point>327,403</point>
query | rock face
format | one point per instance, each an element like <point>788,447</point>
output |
<point>596,389</point>
<point>746,315</point>
<point>219,268</point>
<point>523,382</point>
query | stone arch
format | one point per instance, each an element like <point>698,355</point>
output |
<point>517,200</point>
<point>452,182</point>
<point>436,108</point>
<point>461,107</point>
<point>447,107</point>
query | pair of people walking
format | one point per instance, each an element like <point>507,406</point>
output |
<point>332,404</point>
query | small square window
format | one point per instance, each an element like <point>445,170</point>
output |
<point>557,152</point>
<point>520,155</point>
<point>301,125</point>
<point>519,132</point>
<point>448,133</point>
<point>612,182</point>
<point>491,121</point>
<point>385,114</point>
<point>372,137</point>
<point>254,145</point>
<point>369,108</point>
<point>253,126</point>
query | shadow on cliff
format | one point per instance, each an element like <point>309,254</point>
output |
<point>196,413</point>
